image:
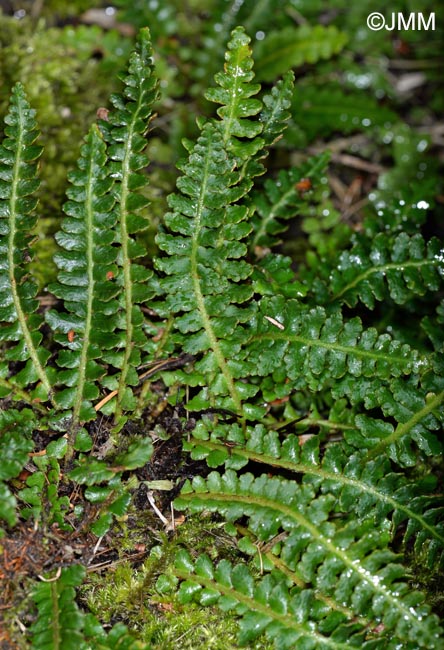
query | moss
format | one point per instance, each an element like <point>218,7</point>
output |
<point>137,597</point>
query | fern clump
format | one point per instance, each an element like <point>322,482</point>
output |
<point>318,419</point>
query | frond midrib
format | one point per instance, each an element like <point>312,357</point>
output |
<point>198,290</point>
<point>354,565</point>
<point>301,468</point>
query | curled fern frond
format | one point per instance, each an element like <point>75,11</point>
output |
<point>406,266</point>
<point>19,321</point>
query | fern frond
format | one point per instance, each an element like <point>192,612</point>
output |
<point>19,321</point>
<point>88,256</point>
<point>406,266</point>
<point>236,94</point>
<point>312,347</point>
<point>124,131</point>
<point>16,429</point>
<point>320,111</point>
<point>370,488</point>
<point>273,275</point>
<point>205,278</point>
<point>419,412</point>
<point>61,624</point>
<point>281,200</point>
<point>286,615</point>
<point>106,489</point>
<point>59,621</point>
<point>345,559</point>
<point>291,47</point>
<point>275,112</point>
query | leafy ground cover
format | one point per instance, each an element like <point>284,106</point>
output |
<point>221,327</point>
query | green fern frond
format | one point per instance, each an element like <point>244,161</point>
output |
<point>418,409</point>
<point>87,257</point>
<point>16,429</point>
<point>319,111</point>
<point>106,489</point>
<point>273,275</point>
<point>19,321</point>
<point>124,131</point>
<point>405,266</point>
<point>292,47</point>
<point>204,273</point>
<point>59,621</point>
<point>281,199</point>
<point>41,497</point>
<point>345,559</point>
<point>61,624</point>
<point>236,94</point>
<point>371,488</point>
<point>286,615</point>
<point>313,347</point>
<point>276,109</point>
